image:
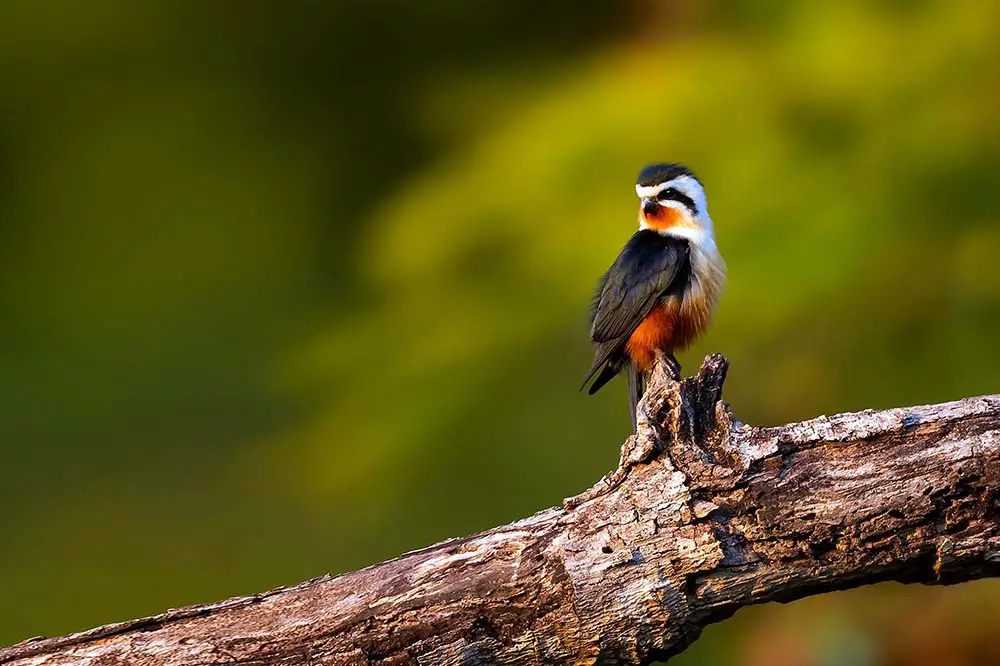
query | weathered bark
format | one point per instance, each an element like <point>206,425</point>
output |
<point>704,515</point>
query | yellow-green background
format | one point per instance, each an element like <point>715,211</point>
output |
<point>290,288</point>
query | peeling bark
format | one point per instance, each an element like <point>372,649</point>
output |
<point>704,515</point>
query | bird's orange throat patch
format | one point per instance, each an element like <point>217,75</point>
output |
<point>666,217</point>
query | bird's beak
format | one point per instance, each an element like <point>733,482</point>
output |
<point>650,207</point>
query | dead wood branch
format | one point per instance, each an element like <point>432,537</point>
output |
<point>705,515</point>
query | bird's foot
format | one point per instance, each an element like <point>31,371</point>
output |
<point>674,366</point>
<point>665,369</point>
<point>669,363</point>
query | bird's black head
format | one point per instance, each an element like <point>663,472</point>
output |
<point>671,200</point>
<point>655,174</point>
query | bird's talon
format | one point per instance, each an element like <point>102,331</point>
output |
<point>675,367</point>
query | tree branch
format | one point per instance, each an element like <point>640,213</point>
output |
<point>705,515</point>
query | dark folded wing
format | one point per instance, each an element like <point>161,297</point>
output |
<point>643,273</point>
<point>649,267</point>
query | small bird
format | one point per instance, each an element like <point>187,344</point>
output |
<point>661,290</point>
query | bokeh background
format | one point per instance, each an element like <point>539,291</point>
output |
<point>291,288</point>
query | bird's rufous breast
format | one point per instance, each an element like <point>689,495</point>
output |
<point>668,327</point>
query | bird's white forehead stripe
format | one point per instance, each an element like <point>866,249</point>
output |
<point>644,191</point>
<point>686,184</point>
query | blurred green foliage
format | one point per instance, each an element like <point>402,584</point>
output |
<point>290,288</point>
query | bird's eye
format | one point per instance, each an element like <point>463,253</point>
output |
<point>672,194</point>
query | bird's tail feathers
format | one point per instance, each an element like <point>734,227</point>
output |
<point>606,364</point>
